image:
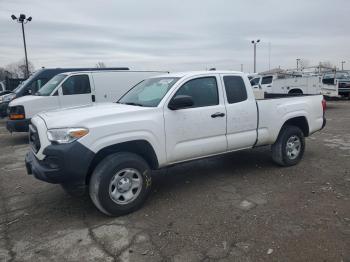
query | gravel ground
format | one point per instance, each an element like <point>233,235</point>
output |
<point>237,207</point>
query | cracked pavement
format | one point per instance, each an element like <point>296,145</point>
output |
<point>237,207</point>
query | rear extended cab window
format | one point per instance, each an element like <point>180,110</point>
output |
<point>235,89</point>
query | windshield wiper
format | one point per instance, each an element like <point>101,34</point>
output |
<point>131,104</point>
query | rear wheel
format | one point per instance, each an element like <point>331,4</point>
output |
<point>289,148</point>
<point>120,183</point>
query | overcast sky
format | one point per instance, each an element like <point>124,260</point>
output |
<point>176,35</point>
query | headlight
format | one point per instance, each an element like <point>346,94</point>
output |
<point>8,98</point>
<point>66,135</point>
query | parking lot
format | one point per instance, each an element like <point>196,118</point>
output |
<point>237,207</point>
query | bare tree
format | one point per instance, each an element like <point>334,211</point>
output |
<point>4,73</point>
<point>18,69</point>
<point>101,65</point>
<point>326,64</point>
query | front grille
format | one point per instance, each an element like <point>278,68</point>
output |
<point>34,140</point>
<point>344,85</point>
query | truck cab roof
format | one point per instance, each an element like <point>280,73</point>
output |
<point>196,73</point>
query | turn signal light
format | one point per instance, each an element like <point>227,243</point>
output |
<point>16,116</point>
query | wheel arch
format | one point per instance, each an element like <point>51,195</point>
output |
<point>296,91</point>
<point>299,121</point>
<point>140,147</point>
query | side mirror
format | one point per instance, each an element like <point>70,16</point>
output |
<point>180,101</point>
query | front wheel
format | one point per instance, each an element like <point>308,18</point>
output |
<point>120,183</point>
<point>289,148</point>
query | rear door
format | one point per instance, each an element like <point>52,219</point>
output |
<point>241,113</point>
<point>199,130</point>
<point>76,90</point>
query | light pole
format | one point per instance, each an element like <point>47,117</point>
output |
<point>298,61</point>
<point>255,43</point>
<point>23,20</point>
<point>342,65</point>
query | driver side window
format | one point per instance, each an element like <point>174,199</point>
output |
<point>203,91</point>
<point>75,85</point>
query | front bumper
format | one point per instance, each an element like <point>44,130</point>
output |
<point>63,164</point>
<point>3,109</point>
<point>19,125</point>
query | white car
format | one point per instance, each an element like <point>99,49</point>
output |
<point>72,89</point>
<point>162,121</point>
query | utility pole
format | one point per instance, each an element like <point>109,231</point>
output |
<point>298,61</point>
<point>269,56</point>
<point>255,43</point>
<point>23,20</point>
<point>241,67</point>
<point>342,65</point>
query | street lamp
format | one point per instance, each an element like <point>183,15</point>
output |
<point>23,20</point>
<point>342,65</point>
<point>255,43</point>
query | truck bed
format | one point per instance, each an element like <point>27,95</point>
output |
<point>275,111</point>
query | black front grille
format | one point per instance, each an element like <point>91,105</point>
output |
<point>344,85</point>
<point>34,140</point>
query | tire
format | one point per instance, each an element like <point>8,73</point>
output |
<point>114,181</point>
<point>284,156</point>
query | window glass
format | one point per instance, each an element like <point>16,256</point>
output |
<point>75,85</point>
<point>235,89</point>
<point>266,80</point>
<point>255,81</point>
<point>47,89</point>
<point>149,92</point>
<point>204,91</point>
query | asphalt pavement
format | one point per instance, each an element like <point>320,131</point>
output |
<point>237,207</point>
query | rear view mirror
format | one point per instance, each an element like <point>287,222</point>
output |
<point>180,102</point>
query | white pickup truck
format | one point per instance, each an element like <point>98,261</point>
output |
<point>162,121</point>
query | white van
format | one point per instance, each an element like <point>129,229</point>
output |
<point>73,89</point>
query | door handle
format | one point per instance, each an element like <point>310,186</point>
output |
<point>218,114</point>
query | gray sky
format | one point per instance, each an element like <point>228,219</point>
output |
<point>176,35</point>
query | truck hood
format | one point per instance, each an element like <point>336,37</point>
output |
<point>24,99</point>
<point>88,115</point>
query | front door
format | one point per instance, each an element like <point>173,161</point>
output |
<point>199,130</point>
<point>75,91</point>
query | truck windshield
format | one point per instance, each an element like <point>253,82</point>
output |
<point>149,92</point>
<point>47,89</point>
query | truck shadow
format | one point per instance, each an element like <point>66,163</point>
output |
<point>224,167</point>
